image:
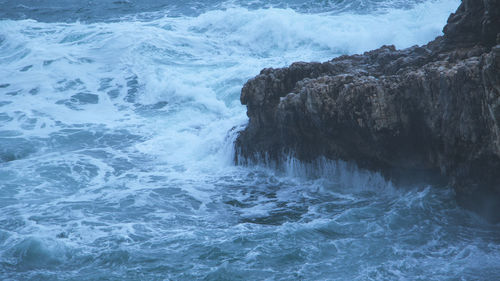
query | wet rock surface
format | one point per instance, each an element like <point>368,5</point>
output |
<point>424,114</point>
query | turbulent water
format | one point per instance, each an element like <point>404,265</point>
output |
<point>117,120</point>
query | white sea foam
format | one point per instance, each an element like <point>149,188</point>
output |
<point>195,64</point>
<point>118,153</point>
<point>173,82</point>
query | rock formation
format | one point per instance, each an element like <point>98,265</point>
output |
<point>428,113</point>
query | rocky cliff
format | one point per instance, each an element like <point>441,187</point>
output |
<point>427,113</point>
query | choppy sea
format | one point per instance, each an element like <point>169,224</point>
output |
<point>117,122</point>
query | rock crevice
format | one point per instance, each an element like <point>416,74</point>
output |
<point>427,113</point>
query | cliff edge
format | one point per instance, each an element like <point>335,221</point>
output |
<point>424,114</point>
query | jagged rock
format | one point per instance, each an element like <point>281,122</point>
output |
<point>428,113</point>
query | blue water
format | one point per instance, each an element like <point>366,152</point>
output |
<point>117,120</point>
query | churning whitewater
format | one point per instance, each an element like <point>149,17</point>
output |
<point>117,122</point>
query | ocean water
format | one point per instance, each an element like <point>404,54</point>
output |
<point>117,122</point>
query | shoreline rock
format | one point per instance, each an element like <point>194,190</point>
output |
<point>423,114</point>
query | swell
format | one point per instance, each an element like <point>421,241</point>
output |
<point>115,11</point>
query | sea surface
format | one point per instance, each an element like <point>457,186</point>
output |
<point>117,122</point>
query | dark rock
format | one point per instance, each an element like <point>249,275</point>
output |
<point>475,21</point>
<point>428,113</point>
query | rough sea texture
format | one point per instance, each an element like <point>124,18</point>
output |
<point>117,122</point>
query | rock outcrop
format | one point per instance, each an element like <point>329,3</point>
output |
<point>429,113</point>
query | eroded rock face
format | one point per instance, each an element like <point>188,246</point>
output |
<point>429,113</point>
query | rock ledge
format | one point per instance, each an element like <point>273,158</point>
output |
<point>427,113</point>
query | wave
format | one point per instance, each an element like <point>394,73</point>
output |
<point>176,80</point>
<point>116,151</point>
